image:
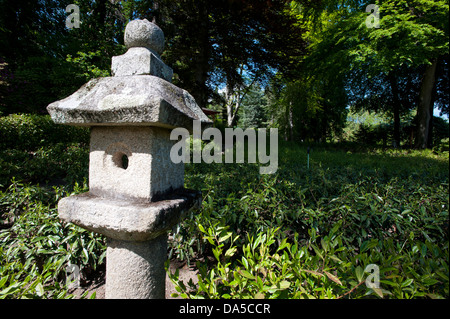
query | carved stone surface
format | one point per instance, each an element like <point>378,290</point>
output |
<point>127,220</point>
<point>149,173</point>
<point>136,192</point>
<point>135,270</point>
<point>138,61</point>
<point>130,100</point>
<point>143,33</point>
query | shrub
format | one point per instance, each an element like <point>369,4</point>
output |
<point>326,223</point>
<point>34,149</point>
<point>319,267</point>
<point>30,132</point>
<point>36,250</point>
<point>299,233</point>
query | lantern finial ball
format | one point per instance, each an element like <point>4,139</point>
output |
<point>143,33</point>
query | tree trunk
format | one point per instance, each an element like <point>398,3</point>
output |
<point>424,106</point>
<point>430,131</point>
<point>430,127</point>
<point>291,123</point>
<point>229,96</point>
<point>396,110</point>
<point>235,97</point>
<point>396,126</point>
<point>202,58</point>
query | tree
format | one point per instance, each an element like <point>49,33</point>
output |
<point>309,108</point>
<point>442,85</point>
<point>207,43</point>
<point>254,107</point>
<point>412,35</point>
<point>211,43</point>
<point>31,47</point>
<point>394,94</point>
<point>47,61</point>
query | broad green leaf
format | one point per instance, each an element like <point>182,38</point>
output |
<point>246,274</point>
<point>335,258</point>
<point>245,262</point>
<point>259,295</point>
<point>407,282</point>
<point>430,281</point>
<point>216,253</point>
<point>333,278</point>
<point>316,249</point>
<point>3,281</point>
<point>225,237</point>
<point>85,255</point>
<point>284,284</point>
<point>378,292</point>
<point>230,252</point>
<point>359,272</point>
<point>10,289</point>
<point>324,244</point>
<point>390,283</point>
<point>423,251</point>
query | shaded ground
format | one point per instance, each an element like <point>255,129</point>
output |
<point>96,282</point>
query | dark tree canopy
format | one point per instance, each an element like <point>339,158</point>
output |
<point>321,51</point>
<point>207,42</point>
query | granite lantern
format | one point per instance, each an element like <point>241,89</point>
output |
<point>136,192</point>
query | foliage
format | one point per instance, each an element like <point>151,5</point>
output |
<point>37,82</point>
<point>34,149</point>
<point>373,129</point>
<point>303,110</point>
<point>440,131</point>
<point>44,58</point>
<point>311,233</point>
<point>35,245</point>
<point>254,109</point>
<point>225,42</point>
<point>204,46</point>
<point>84,62</point>
<point>317,268</point>
<point>37,249</point>
<point>299,233</point>
<point>384,67</point>
<point>29,132</point>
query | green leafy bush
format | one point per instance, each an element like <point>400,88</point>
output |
<point>35,246</point>
<point>311,233</point>
<point>34,149</point>
<point>36,250</point>
<point>299,233</point>
<point>30,132</point>
<point>316,268</point>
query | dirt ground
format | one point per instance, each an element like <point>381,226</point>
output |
<point>97,281</point>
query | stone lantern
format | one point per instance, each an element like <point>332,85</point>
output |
<point>136,192</point>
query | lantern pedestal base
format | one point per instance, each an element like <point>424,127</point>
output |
<point>135,270</point>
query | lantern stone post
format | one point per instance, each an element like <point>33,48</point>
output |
<point>136,192</point>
